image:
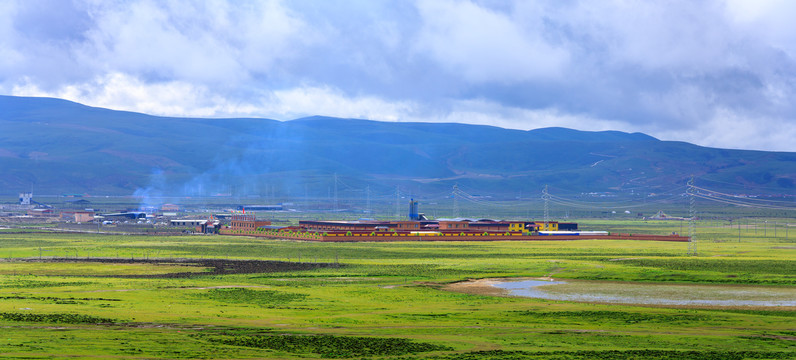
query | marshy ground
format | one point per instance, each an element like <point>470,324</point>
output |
<point>635,293</point>
<point>235,297</point>
<point>151,268</point>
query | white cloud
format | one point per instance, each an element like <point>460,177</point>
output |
<point>178,98</point>
<point>650,35</point>
<point>123,92</point>
<point>486,46</point>
<point>9,56</point>
<point>768,20</point>
<point>484,112</point>
<point>212,42</point>
<point>685,104</point>
<point>732,130</point>
<point>304,101</point>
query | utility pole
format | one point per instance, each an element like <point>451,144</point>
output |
<point>546,198</point>
<point>692,241</point>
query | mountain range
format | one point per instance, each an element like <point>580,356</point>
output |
<point>56,146</point>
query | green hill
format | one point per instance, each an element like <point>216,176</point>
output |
<point>57,146</point>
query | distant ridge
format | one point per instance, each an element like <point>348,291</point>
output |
<point>59,146</point>
<point>564,134</point>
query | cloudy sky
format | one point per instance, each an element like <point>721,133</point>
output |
<point>715,73</point>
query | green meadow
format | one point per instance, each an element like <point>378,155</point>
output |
<point>385,300</point>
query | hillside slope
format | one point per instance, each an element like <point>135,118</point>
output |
<point>57,146</point>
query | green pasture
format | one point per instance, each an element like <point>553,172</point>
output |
<point>384,300</point>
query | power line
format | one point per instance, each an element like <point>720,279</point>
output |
<point>741,199</point>
<point>546,198</point>
<point>744,186</point>
<point>367,201</point>
<point>692,241</point>
<point>335,192</point>
<point>397,203</point>
<point>465,196</point>
<point>455,201</point>
<point>603,206</point>
<point>743,204</point>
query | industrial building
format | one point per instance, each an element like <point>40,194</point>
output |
<point>418,228</point>
<point>417,223</point>
<point>42,212</point>
<point>122,216</point>
<point>187,222</point>
<point>480,226</point>
<point>260,208</point>
<point>247,222</point>
<point>77,216</point>
<point>25,198</point>
<point>204,226</point>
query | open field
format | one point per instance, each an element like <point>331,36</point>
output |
<point>384,300</point>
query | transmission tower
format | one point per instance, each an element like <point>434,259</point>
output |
<point>455,201</point>
<point>335,192</point>
<point>692,241</point>
<point>367,199</point>
<point>397,203</point>
<point>546,198</point>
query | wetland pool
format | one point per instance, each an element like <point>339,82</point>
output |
<point>652,294</point>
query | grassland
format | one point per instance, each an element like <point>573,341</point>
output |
<point>385,300</point>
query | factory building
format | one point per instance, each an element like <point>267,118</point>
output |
<point>187,222</point>
<point>123,216</point>
<point>77,216</point>
<point>204,226</point>
<point>41,212</point>
<point>442,226</point>
<point>245,208</point>
<point>247,222</point>
<point>419,228</point>
<point>417,222</point>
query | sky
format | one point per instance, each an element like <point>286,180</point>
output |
<point>714,73</point>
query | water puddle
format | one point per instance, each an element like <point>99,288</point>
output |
<point>651,294</point>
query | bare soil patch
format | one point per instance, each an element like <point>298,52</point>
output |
<point>213,266</point>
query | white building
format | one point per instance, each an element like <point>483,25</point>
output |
<point>25,198</point>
